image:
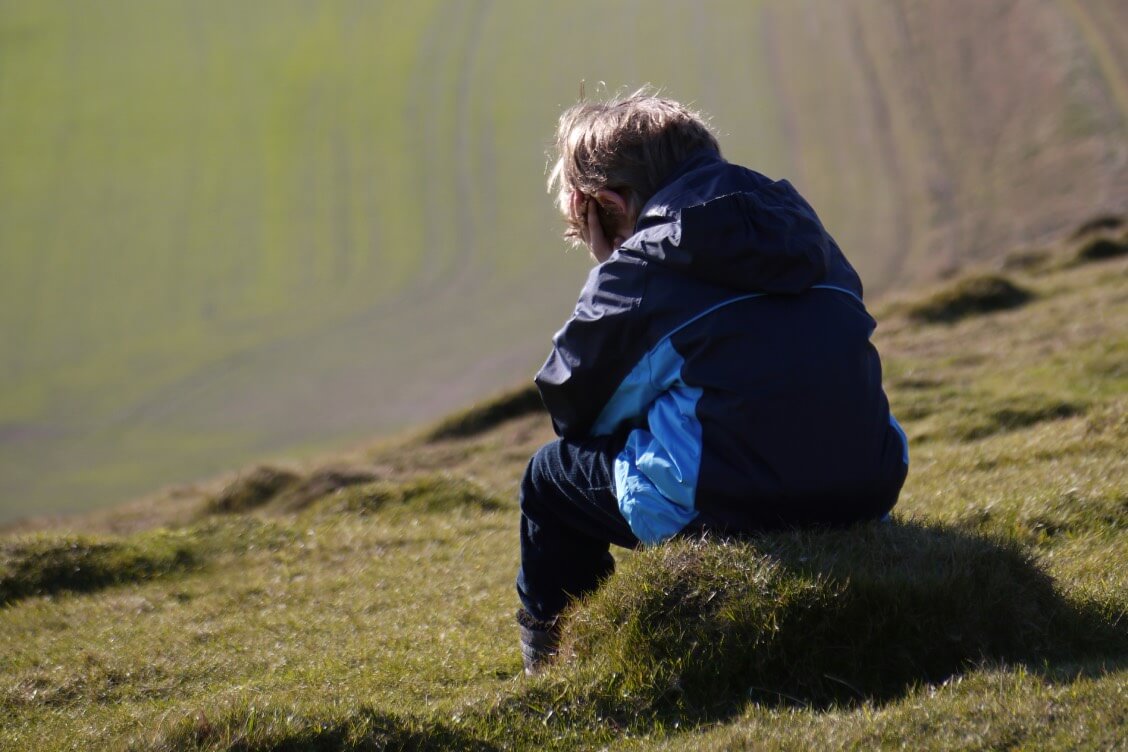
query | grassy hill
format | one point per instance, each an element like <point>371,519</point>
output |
<point>365,599</point>
<point>234,230</point>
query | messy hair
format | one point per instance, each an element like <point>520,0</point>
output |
<point>629,144</point>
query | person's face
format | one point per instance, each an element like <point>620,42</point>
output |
<point>605,219</point>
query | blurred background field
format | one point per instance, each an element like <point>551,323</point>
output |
<point>240,230</point>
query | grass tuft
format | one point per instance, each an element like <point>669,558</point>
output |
<point>488,414</point>
<point>970,296</point>
<point>696,628</point>
<point>1068,514</point>
<point>258,487</point>
<point>1028,260</point>
<point>1011,414</point>
<point>251,728</point>
<point>1102,248</point>
<point>321,483</point>
<point>48,565</point>
<point>1099,223</point>
<point>428,494</point>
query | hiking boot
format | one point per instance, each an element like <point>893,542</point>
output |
<point>540,641</point>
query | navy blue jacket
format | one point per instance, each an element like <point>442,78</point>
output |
<point>727,342</point>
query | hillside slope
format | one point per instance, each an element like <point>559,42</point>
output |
<point>233,230</point>
<point>366,599</point>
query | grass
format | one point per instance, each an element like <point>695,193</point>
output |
<point>211,211</point>
<point>487,414</point>
<point>695,629</point>
<point>1101,248</point>
<point>970,296</point>
<point>260,486</point>
<point>366,600</point>
<point>48,565</point>
<point>1098,224</point>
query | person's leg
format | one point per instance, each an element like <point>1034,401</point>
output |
<point>569,518</point>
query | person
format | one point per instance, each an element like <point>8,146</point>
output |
<point>717,373</point>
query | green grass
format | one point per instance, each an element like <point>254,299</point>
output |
<point>367,601</point>
<point>46,565</point>
<point>236,231</point>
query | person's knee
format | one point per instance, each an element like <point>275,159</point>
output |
<point>536,484</point>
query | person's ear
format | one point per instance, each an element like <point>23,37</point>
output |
<point>613,201</point>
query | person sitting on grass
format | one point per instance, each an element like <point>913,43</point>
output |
<point>717,374</point>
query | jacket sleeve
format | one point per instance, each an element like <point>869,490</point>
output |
<point>596,348</point>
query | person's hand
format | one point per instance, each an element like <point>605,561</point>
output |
<point>586,209</point>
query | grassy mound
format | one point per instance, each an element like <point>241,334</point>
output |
<point>256,488</point>
<point>46,565</point>
<point>698,627</point>
<point>970,296</point>
<point>1102,248</point>
<point>427,494</point>
<point>1011,414</point>
<point>285,490</point>
<point>1099,223</point>
<point>1028,260</point>
<point>488,414</point>
<point>248,728</point>
<point>321,483</point>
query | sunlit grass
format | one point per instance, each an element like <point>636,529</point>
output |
<point>367,599</point>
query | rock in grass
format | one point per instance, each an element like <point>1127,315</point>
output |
<point>48,565</point>
<point>970,296</point>
<point>814,617</point>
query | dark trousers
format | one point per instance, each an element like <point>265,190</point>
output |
<point>569,519</point>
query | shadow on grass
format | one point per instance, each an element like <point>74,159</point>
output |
<point>1102,248</point>
<point>49,565</point>
<point>279,729</point>
<point>691,631</point>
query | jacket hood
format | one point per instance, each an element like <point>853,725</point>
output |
<point>735,228</point>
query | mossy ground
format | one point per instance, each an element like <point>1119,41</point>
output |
<point>374,609</point>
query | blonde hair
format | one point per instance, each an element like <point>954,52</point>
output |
<point>629,144</point>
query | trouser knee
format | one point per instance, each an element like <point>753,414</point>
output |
<point>536,485</point>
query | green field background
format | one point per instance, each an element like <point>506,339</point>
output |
<point>243,230</point>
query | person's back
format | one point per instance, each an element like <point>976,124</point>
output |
<point>717,373</point>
